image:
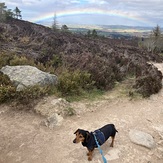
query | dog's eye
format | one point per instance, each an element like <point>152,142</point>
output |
<point>80,136</point>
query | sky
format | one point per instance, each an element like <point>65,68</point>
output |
<point>93,12</point>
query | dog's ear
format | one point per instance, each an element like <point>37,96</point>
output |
<point>87,136</point>
<point>76,131</point>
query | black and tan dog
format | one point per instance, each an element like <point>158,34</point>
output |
<point>87,138</point>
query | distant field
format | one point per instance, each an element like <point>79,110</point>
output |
<point>110,30</point>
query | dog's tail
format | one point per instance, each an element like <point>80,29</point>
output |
<point>115,128</point>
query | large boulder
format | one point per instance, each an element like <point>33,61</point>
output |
<point>26,76</point>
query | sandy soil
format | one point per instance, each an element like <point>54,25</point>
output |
<point>24,140</point>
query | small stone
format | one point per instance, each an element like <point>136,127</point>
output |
<point>142,138</point>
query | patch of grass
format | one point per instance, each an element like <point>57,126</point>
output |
<point>7,90</point>
<point>21,60</point>
<point>90,95</point>
<point>7,93</point>
<point>124,89</point>
<point>31,93</point>
<point>161,54</point>
<point>73,83</point>
<point>25,39</point>
<point>70,111</point>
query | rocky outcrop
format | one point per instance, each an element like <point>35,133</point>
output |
<point>26,76</point>
<point>52,121</point>
<point>54,110</point>
<point>50,105</point>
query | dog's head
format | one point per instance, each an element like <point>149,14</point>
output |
<point>81,136</point>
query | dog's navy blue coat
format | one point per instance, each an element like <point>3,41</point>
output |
<point>101,134</point>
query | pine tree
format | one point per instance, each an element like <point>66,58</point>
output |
<point>55,24</point>
<point>9,14</point>
<point>64,28</point>
<point>155,42</point>
<point>89,33</point>
<point>3,9</point>
<point>6,14</point>
<point>94,33</point>
<point>156,32</point>
<point>17,13</point>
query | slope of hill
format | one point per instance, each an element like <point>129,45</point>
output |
<point>107,60</point>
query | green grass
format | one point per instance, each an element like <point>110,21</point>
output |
<point>161,54</point>
<point>125,89</point>
<point>90,95</point>
<point>70,111</point>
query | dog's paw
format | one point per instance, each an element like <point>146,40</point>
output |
<point>89,158</point>
<point>88,153</point>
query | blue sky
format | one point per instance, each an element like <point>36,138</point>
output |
<point>98,12</point>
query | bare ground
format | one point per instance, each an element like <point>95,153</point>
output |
<point>24,140</point>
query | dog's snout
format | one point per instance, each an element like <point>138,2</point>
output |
<point>74,141</point>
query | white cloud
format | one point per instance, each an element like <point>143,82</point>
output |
<point>29,2</point>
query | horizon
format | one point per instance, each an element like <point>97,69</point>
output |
<point>91,25</point>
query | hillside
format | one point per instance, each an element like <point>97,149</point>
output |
<point>107,60</point>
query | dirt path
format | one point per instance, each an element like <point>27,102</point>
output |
<point>24,140</point>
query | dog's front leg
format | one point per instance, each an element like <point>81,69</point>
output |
<point>90,154</point>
